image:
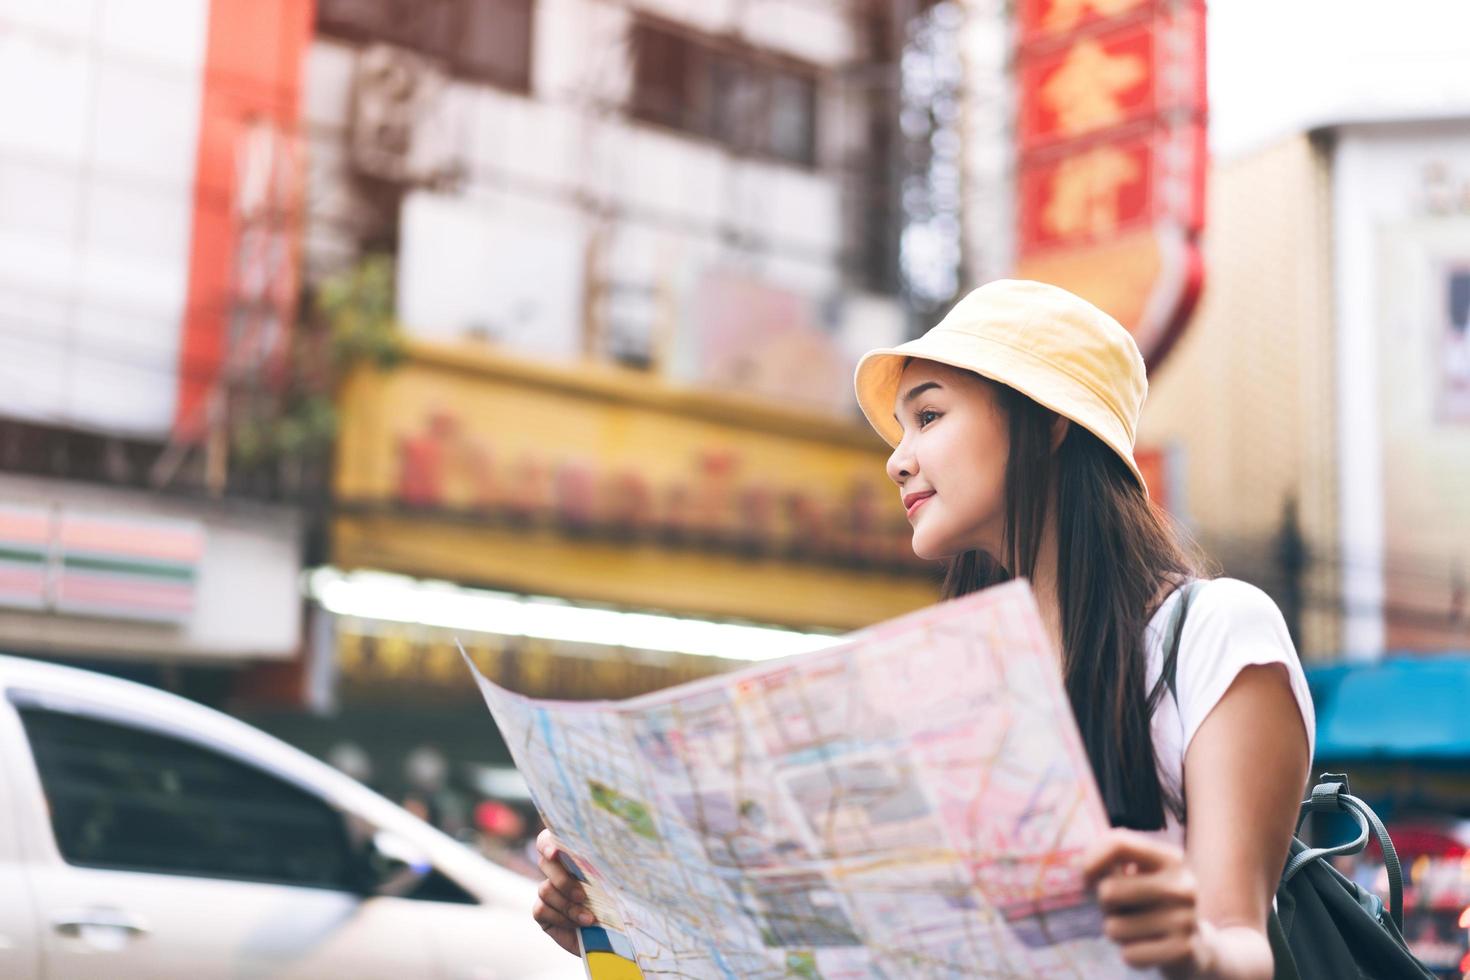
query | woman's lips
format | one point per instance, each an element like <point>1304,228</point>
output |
<point>914,501</point>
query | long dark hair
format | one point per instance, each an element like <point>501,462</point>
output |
<point>1117,554</point>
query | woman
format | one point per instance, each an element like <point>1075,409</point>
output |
<point>1013,424</point>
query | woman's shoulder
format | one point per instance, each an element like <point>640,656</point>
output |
<point>1227,610</point>
<point>1230,598</point>
<point>1231,625</point>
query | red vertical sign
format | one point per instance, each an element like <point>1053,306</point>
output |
<point>1112,157</point>
<point>244,176</point>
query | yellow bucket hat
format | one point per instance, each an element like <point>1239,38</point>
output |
<point>1053,347</point>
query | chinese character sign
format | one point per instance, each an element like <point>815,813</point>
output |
<point>1111,139</point>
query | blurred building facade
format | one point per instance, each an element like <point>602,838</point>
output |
<point>1330,342</point>
<point>712,192</point>
<point>1401,261</point>
<point>1312,421</point>
<point>146,298</point>
<point>1245,400</point>
<point>687,238</point>
<point>637,249</point>
<point>1401,292</point>
<point>633,252</point>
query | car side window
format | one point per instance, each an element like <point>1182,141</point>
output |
<point>131,799</point>
<point>439,887</point>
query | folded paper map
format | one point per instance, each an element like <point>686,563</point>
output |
<point>913,801</point>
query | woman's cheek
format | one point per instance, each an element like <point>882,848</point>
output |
<point>928,541</point>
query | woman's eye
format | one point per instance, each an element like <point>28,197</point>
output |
<point>925,417</point>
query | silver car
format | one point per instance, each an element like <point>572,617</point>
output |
<point>145,836</point>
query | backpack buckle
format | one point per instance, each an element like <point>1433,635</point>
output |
<point>1326,795</point>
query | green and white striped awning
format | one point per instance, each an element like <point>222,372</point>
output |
<point>87,563</point>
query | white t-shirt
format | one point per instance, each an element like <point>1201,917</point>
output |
<point>1230,625</point>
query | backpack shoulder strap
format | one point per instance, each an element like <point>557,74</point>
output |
<point>1169,674</point>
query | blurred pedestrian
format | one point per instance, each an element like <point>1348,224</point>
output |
<point>502,836</point>
<point>426,770</point>
<point>353,760</point>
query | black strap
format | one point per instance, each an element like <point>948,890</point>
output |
<point>1169,673</point>
<point>1390,858</point>
<point>1331,795</point>
<point>1326,798</point>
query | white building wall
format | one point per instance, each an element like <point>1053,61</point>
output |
<point>1404,476</point>
<point>565,204</point>
<point>819,33</point>
<point>989,155</point>
<point>98,141</point>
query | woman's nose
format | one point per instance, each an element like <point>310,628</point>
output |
<point>901,465</point>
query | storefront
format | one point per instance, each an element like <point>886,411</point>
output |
<point>111,576</point>
<point>604,488</point>
<point>601,485</point>
<point>639,526</point>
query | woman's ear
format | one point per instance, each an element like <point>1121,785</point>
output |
<point>1059,427</point>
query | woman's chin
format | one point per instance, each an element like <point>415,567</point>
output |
<point>927,551</point>
<point>927,548</point>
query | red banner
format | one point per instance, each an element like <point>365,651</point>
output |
<point>1113,156</point>
<point>1119,76</point>
<point>242,259</point>
<point>1093,193</point>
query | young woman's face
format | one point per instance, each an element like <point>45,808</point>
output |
<point>950,466</point>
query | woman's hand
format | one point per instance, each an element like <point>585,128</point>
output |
<point>1148,898</point>
<point>561,903</point>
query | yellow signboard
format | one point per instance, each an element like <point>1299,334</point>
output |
<point>385,659</point>
<point>599,484</point>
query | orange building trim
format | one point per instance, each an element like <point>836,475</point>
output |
<point>253,65</point>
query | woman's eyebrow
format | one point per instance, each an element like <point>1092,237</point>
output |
<point>916,391</point>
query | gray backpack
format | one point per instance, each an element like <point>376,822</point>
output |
<point>1324,926</point>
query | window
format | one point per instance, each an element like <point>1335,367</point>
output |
<point>481,40</point>
<point>793,108</point>
<point>439,887</point>
<point>661,79</point>
<point>494,42</point>
<point>752,102</point>
<point>129,799</point>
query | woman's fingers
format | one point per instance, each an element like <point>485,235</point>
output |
<point>551,866</point>
<point>557,926</point>
<point>1171,952</point>
<point>1152,925</point>
<point>560,900</point>
<point>561,892</point>
<point>1119,848</point>
<point>557,873</point>
<point>1148,895</point>
<point>557,901</point>
<point>1120,893</point>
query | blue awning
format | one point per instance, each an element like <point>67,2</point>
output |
<point>1397,708</point>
